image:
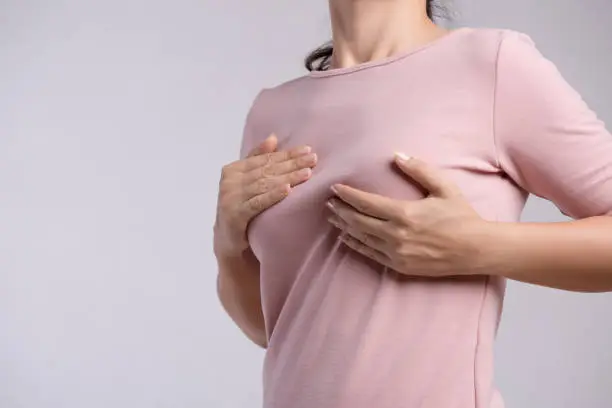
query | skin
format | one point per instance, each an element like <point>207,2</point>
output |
<point>369,30</point>
<point>436,236</point>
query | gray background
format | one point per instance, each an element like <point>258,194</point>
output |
<point>115,118</point>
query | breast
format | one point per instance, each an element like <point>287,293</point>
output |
<point>291,226</point>
<point>367,163</point>
<point>355,133</point>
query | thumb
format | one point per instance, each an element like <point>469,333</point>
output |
<point>427,176</point>
<point>267,146</point>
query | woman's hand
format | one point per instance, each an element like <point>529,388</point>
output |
<point>437,236</point>
<point>250,186</point>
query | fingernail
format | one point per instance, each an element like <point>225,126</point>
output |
<point>305,173</point>
<point>304,150</point>
<point>310,159</point>
<point>402,156</point>
<point>334,189</point>
<point>330,205</point>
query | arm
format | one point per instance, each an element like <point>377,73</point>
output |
<point>262,177</point>
<point>442,235</point>
<point>238,284</point>
<point>573,255</point>
<point>239,292</point>
<point>552,145</point>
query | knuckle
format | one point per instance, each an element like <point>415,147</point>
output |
<point>292,178</point>
<point>226,194</point>
<point>399,235</point>
<point>299,163</point>
<point>278,168</point>
<point>268,158</point>
<point>225,171</point>
<point>256,174</point>
<point>262,185</point>
<point>405,214</point>
<point>267,170</point>
<point>223,187</point>
<point>401,249</point>
<point>256,204</point>
<point>285,156</point>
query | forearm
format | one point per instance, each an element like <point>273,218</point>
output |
<point>239,292</point>
<point>574,255</point>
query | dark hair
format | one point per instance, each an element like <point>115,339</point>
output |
<point>320,59</point>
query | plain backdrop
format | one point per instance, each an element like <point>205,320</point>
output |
<point>115,119</point>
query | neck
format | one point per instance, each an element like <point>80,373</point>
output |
<point>369,30</point>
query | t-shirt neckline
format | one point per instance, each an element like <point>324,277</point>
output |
<point>387,60</point>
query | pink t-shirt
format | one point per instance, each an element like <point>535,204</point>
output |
<point>501,122</point>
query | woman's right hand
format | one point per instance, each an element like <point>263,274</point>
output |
<point>252,185</point>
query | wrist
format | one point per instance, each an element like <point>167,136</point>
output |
<point>226,252</point>
<point>493,243</point>
<point>229,260</point>
<point>227,256</point>
<point>237,264</point>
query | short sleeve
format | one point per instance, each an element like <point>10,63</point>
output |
<point>548,140</point>
<point>252,126</point>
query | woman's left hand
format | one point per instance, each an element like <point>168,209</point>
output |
<point>440,235</point>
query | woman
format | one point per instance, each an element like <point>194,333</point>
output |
<point>374,280</point>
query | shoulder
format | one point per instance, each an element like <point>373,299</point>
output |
<point>270,94</point>
<point>273,97</point>
<point>488,44</point>
<point>494,36</point>
<point>269,105</point>
<point>512,56</point>
<point>277,100</point>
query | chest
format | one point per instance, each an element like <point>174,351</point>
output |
<point>355,140</point>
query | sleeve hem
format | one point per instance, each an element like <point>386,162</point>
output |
<point>495,97</point>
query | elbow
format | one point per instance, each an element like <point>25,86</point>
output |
<point>259,340</point>
<point>255,334</point>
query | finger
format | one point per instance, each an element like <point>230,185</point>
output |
<point>267,146</point>
<point>264,159</point>
<point>287,167</point>
<point>366,250</point>
<point>359,221</point>
<point>427,176</point>
<point>363,237</point>
<point>266,184</point>
<point>371,204</point>
<point>258,204</point>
